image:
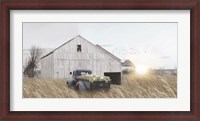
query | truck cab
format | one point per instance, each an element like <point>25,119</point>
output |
<point>80,72</point>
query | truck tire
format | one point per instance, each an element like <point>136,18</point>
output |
<point>70,83</point>
<point>80,86</point>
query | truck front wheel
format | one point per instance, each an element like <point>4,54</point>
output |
<point>70,83</point>
<point>80,86</point>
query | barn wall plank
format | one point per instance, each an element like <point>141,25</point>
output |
<point>46,67</point>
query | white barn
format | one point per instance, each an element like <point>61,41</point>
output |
<point>78,53</point>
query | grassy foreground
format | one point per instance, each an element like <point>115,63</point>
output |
<point>133,86</point>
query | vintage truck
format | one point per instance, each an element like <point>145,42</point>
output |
<point>85,80</point>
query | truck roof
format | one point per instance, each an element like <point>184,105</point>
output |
<point>82,70</point>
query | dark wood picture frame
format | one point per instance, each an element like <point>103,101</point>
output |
<point>192,5</point>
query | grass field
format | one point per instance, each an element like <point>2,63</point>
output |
<point>133,86</point>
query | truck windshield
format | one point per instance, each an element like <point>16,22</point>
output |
<point>78,73</point>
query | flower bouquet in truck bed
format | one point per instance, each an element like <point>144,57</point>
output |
<point>93,78</point>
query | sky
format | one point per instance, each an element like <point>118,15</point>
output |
<point>150,44</point>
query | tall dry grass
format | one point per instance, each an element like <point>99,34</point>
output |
<point>133,86</point>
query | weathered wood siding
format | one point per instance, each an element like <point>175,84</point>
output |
<point>47,67</point>
<point>66,59</point>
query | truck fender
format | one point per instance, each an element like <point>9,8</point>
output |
<point>80,86</point>
<point>70,82</point>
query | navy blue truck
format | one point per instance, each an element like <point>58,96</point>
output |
<point>85,80</point>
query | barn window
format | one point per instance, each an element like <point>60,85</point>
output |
<point>78,48</point>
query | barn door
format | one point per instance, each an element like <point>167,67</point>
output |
<point>63,68</point>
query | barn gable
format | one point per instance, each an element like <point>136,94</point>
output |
<point>101,48</point>
<point>79,53</point>
<point>128,63</point>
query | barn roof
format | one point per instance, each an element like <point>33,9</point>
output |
<point>57,48</point>
<point>98,46</point>
<point>115,57</point>
<point>128,63</point>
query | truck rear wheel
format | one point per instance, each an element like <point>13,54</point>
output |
<point>80,86</point>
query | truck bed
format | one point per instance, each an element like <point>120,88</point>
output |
<point>93,78</point>
<point>93,85</point>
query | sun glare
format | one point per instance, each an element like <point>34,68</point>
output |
<point>141,69</point>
